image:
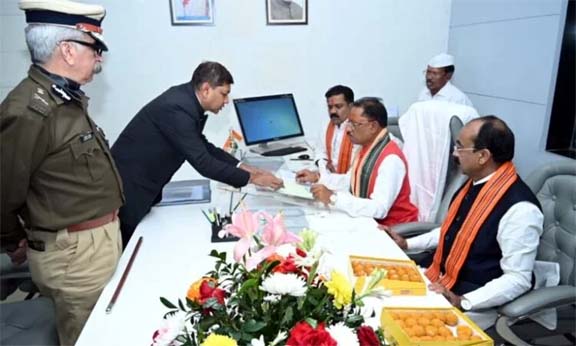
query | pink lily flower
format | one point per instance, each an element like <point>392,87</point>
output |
<point>274,235</point>
<point>244,225</point>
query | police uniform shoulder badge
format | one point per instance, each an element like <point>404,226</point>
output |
<point>39,102</point>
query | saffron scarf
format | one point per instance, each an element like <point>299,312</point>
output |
<point>345,153</point>
<point>364,163</point>
<point>487,199</point>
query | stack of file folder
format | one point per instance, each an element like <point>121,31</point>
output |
<point>186,192</point>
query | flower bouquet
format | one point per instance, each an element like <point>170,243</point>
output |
<point>277,291</point>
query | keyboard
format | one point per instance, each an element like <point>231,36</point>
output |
<point>284,151</point>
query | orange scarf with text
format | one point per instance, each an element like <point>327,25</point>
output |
<point>345,152</point>
<point>487,199</point>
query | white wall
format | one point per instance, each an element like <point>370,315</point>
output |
<point>377,47</point>
<point>507,54</point>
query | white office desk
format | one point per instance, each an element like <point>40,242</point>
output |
<point>174,254</point>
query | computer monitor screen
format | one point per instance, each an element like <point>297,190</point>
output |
<point>268,118</point>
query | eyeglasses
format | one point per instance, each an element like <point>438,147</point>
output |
<point>94,46</point>
<point>459,148</point>
<point>355,125</point>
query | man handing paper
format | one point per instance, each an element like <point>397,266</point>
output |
<point>377,184</point>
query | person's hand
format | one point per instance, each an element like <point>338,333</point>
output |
<point>330,167</point>
<point>18,256</point>
<point>321,193</point>
<point>453,298</point>
<point>307,176</point>
<point>252,169</point>
<point>398,239</point>
<point>266,179</point>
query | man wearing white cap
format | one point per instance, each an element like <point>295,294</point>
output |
<point>60,191</point>
<point>438,87</point>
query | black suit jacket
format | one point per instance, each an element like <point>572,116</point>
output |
<point>153,146</point>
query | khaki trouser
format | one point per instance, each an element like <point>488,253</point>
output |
<point>73,270</point>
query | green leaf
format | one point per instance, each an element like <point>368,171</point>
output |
<point>312,322</point>
<point>220,255</point>
<point>248,284</point>
<point>167,303</point>
<point>253,326</point>
<point>181,305</point>
<point>288,315</point>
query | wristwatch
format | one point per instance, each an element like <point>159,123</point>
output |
<point>333,198</point>
<point>465,304</point>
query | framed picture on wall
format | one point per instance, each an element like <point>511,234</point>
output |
<point>286,12</point>
<point>192,12</point>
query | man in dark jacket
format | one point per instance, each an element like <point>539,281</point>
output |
<point>167,131</point>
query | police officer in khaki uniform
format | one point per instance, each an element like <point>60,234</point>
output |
<point>60,190</point>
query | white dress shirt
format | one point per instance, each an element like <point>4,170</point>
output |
<point>388,183</point>
<point>518,236</point>
<point>322,151</point>
<point>448,93</point>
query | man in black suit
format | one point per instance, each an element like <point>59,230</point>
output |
<point>167,131</point>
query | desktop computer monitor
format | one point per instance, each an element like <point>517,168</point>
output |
<point>267,119</point>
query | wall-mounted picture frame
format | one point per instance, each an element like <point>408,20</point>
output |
<point>192,12</point>
<point>286,12</point>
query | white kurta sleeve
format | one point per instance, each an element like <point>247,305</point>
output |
<point>320,154</point>
<point>425,241</point>
<point>389,181</point>
<point>334,181</point>
<point>518,235</point>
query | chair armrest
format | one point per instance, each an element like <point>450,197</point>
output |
<point>412,229</point>
<point>540,299</point>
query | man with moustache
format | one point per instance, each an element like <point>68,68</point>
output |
<point>60,191</point>
<point>377,183</point>
<point>168,131</point>
<point>335,150</point>
<point>439,72</point>
<point>487,245</point>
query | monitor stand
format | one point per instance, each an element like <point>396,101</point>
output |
<point>264,147</point>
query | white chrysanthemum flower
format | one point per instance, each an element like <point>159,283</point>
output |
<point>343,335</point>
<point>173,326</point>
<point>284,284</point>
<point>272,298</point>
<point>258,342</point>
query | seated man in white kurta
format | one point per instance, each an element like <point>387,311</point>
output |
<point>377,185</point>
<point>439,72</point>
<point>486,247</point>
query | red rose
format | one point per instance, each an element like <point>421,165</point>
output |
<point>304,335</point>
<point>286,266</point>
<point>367,336</point>
<point>301,252</point>
<point>208,290</point>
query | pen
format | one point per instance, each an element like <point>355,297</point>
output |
<point>238,204</point>
<point>206,216</point>
<point>218,218</point>
<point>124,276</point>
<point>230,207</point>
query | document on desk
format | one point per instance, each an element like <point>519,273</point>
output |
<point>186,192</point>
<point>294,189</point>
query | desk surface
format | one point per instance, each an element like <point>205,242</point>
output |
<point>173,254</point>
